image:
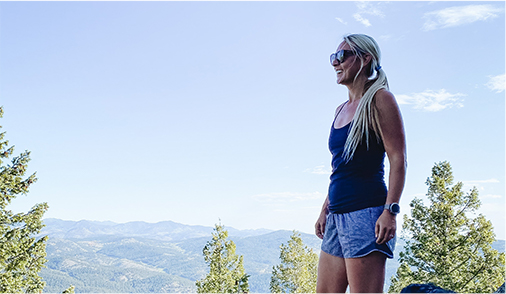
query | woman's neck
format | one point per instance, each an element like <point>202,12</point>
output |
<point>356,90</point>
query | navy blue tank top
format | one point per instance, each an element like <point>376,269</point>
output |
<point>358,183</point>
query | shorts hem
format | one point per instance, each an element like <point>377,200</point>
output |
<point>390,256</point>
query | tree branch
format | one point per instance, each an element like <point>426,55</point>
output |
<point>461,243</point>
<point>470,256</point>
<point>481,268</point>
<point>461,211</point>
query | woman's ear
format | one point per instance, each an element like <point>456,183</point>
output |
<point>367,58</point>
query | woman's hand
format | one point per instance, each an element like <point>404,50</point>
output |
<point>320,225</point>
<point>385,227</point>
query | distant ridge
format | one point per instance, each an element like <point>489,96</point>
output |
<point>163,231</point>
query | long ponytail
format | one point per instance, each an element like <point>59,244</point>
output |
<point>366,116</point>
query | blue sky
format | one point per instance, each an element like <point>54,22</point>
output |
<point>200,111</point>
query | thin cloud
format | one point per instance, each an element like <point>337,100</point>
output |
<point>385,37</point>
<point>362,20</point>
<point>369,8</point>
<point>496,83</point>
<point>481,186</point>
<point>493,196</point>
<point>287,197</point>
<point>481,181</point>
<point>432,101</point>
<point>458,15</point>
<point>341,21</point>
<point>320,170</point>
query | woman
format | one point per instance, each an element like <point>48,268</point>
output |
<point>358,219</point>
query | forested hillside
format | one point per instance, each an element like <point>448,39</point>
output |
<point>163,257</point>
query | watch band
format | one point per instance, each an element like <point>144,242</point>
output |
<point>393,208</point>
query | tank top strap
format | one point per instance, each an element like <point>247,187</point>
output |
<point>338,113</point>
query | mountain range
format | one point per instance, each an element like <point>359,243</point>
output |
<point>159,257</point>
<point>163,231</point>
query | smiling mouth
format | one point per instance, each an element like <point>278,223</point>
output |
<point>338,71</point>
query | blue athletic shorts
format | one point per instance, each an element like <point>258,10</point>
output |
<point>351,235</point>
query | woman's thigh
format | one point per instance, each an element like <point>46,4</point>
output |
<point>331,274</point>
<point>366,274</point>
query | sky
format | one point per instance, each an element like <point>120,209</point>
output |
<point>201,112</point>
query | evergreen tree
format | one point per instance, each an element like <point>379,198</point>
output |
<point>298,269</point>
<point>444,244</point>
<point>21,254</point>
<point>226,273</point>
<point>69,290</point>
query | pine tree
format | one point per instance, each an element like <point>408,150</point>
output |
<point>21,254</point>
<point>298,269</point>
<point>69,290</point>
<point>226,270</point>
<point>445,245</point>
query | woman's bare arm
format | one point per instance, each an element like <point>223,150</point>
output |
<point>394,140</point>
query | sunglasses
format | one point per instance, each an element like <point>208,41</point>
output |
<point>340,56</point>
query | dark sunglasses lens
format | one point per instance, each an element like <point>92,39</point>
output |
<point>340,55</point>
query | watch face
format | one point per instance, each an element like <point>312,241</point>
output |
<point>395,208</point>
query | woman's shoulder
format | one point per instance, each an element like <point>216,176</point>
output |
<point>385,102</point>
<point>383,94</point>
<point>384,98</point>
<point>340,107</point>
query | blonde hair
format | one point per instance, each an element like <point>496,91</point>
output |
<point>366,116</point>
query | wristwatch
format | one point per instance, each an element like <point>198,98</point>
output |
<point>394,208</point>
